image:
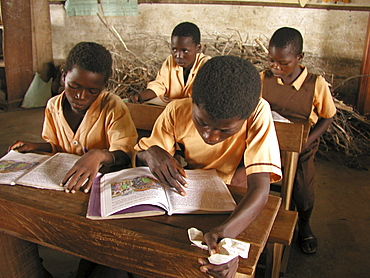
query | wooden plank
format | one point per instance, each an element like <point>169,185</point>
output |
<point>283,229</point>
<point>290,136</point>
<point>144,116</point>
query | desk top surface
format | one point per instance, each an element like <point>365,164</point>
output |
<point>152,246</point>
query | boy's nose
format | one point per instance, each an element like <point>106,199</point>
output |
<point>211,137</point>
<point>178,54</point>
<point>80,94</point>
<point>276,66</point>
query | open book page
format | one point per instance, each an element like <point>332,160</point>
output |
<point>50,173</point>
<point>206,193</point>
<point>156,101</point>
<point>129,188</point>
<point>15,164</point>
<point>278,118</point>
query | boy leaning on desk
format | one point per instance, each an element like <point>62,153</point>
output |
<point>226,126</point>
<point>85,120</point>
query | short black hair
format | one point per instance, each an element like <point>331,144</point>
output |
<point>227,87</point>
<point>90,56</point>
<point>285,37</point>
<point>187,29</point>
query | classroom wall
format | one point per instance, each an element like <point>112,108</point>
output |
<point>334,40</point>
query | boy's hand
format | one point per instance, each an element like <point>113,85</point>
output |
<point>135,98</point>
<point>165,168</point>
<point>84,171</point>
<point>22,146</point>
<point>227,270</point>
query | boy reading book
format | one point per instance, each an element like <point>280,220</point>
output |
<point>85,120</point>
<point>225,126</point>
<point>292,91</point>
<point>175,79</point>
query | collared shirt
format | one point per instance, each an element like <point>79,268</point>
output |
<point>323,105</point>
<point>107,124</point>
<point>256,142</point>
<point>169,83</point>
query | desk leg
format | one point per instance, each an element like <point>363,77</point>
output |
<point>19,258</point>
<point>290,167</point>
<point>274,250</point>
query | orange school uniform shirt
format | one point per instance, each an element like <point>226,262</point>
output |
<point>322,105</point>
<point>169,83</point>
<point>256,142</point>
<point>107,124</point>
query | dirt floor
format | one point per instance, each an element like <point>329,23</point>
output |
<point>341,217</point>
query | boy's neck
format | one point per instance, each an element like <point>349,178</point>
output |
<point>293,76</point>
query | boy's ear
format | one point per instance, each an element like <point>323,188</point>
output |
<point>63,78</point>
<point>300,57</point>
<point>199,48</point>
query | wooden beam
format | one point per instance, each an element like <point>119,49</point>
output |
<point>346,7</point>
<point>17,47</point>
<point>363,102</point>
<point>42,50</point>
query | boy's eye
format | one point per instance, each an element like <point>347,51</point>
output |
<point>186,51</point>
<point>94,92</point>
<point>73,87</point>
<point>284,63</point>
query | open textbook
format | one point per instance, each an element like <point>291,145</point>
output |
<point>135,192</point>
<point>35,170</point>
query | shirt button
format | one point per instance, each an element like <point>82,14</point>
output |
<point>75,143</point>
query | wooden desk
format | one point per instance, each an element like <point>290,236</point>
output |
<point>152,247</point>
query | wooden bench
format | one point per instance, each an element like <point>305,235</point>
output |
<point>290,138</point>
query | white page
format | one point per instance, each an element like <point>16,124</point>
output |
<point>126,188</point>
<point>279,118</point>
<point>49,174</point>
<point>205,192</point>
<point>15,164</point>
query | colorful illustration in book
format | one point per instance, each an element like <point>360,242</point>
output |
<point>128,186</point>
<point>8,166</point>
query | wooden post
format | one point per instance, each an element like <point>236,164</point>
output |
<point>363,102</point>
<point>27,45</point>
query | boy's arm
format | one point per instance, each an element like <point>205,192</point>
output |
<point>24,146</point>
<point>145,95</point>
<point>320,127</point>
<point>247,210</point>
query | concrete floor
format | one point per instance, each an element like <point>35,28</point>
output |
<point>341,218</point>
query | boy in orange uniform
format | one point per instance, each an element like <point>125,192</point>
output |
<point>85,120</point>
<point>221,135</point>
<point>292,91</point>
<point>175,79</point>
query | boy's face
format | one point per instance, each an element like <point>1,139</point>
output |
<point>284,63</point>
<point>214,131</point>
<point>82,88</point>
<point>184,51</point>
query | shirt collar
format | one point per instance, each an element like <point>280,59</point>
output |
<point>297,84</point>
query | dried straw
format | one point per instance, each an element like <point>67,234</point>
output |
<point>349,133</point>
